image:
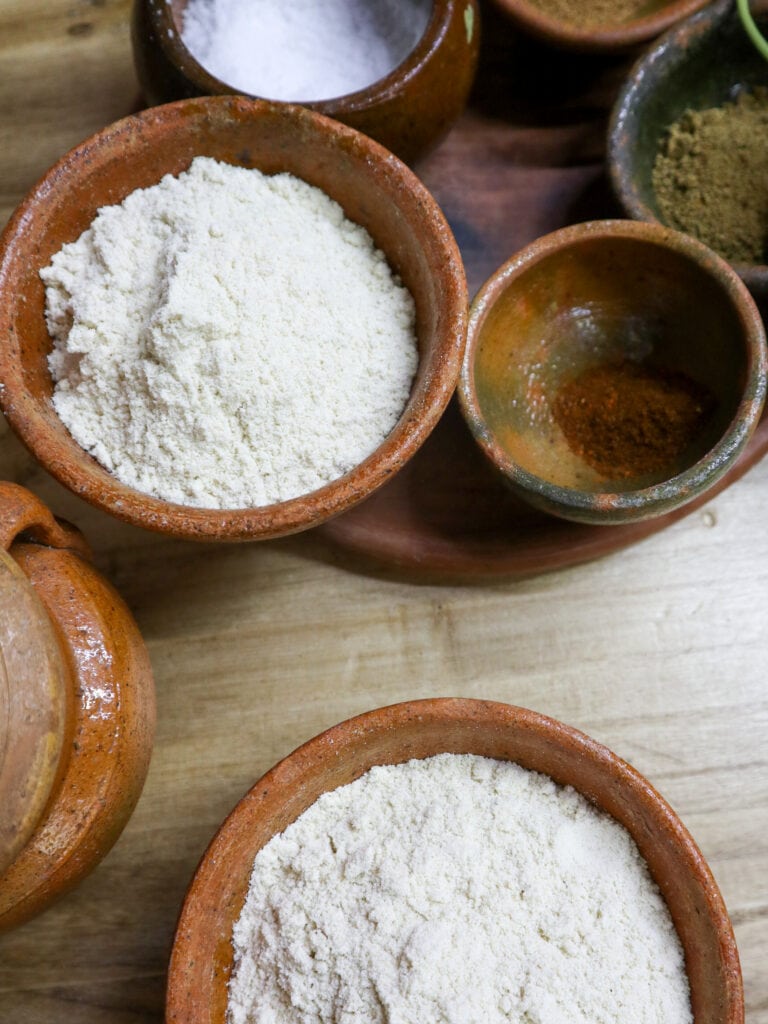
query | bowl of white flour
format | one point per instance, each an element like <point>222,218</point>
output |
<point>398,70</point>
<point>453,861</point>
<point>227,319</point>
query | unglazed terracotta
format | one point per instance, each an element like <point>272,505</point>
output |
<point>598,293</point>
<point>606,38</point>
<point>201,960</point>
<point>409,111</point>
<point>374,188</point>
<point>697,65</point>
<point>89,723</point>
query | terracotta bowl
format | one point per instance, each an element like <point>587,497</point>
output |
<point>375,190</point>
<point>77,709</point>
<point>202,952</point>
<point>599,38</point>
<point>599,294</point>
<point>409,111</point>
<point>697,65</point>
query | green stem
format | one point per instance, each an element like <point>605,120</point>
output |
<point>751,28</point>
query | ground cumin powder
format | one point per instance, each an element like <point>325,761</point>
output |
<point>586,13</point>
<point>627,420</point>
<point>711,177</point>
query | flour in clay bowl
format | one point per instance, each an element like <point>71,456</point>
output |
<point>456,889</point>
<point>226,339</point>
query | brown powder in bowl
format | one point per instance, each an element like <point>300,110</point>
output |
<point>711,177</point>
<point>590,13</point>
<point>627,420</point>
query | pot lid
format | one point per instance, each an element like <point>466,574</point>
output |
<point>33,709</point>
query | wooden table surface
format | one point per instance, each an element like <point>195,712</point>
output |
<point>660,651</point>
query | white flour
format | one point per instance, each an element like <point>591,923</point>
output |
<point>455,890</point>
<point>303,49</point>
<point>226,339</point>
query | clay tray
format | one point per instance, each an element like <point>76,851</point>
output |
<point>526,158</point>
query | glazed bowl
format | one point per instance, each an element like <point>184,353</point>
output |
<point>611,294</point>
<point>202,955</point>
<point>375,190</point>
<point>700,63</point>
<point>409,111</point>
<point>600,37</point>
<point>77,709</point>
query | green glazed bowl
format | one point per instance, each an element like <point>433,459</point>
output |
<point>598,294</point>
<point>702,62</point>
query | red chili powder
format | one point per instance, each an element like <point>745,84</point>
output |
<point>626,420</point>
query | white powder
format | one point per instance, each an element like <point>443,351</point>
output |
<point>303,49</point>
<point>455,890</point>
<point>227,339</point>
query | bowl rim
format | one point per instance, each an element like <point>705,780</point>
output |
<point>170,41</point>
<point>662,58</point>
<point>666,494</point>
<point>597,38</point>
<point>97,486</point>
<point>329,746</point>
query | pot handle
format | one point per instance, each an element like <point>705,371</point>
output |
<point>21,512</point>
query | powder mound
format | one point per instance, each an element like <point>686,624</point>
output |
<point>455,890</point>
<point>226,339</point>
<point>709,177</point>
<point>303,49</point>
<point>629,420</point>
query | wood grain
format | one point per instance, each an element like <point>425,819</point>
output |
<point>661,651</point>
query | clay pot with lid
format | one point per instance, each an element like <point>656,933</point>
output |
<point>77,709</point>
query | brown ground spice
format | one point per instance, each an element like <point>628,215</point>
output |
<point>711,177</point>
<point>627,420</point>
<point>589,13</point>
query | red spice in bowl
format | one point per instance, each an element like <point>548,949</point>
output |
<point>630,420</point>
<point>614,371</point>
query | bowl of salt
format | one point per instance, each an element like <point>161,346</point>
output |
<point>397,71</point>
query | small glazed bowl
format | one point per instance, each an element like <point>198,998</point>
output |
<point>699,64</point>
<point>409,111</point>
<point>599,38</point>
<point>202,955</point>
<point>375,189</point>
<point>600,294</point>
<point>77,709</point>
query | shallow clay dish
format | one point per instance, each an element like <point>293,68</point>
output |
<point>375,190</point>
<point>701,63</point>
<point>409,111</point>
<point>596,294</point>
<point>599,38</point>
<point>202,952</point>
<point>77,709</point>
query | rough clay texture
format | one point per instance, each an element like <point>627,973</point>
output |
<point>226,339</point>
<point>455,890</point>
<point>303,49</point>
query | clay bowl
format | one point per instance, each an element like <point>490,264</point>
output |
<point>409,111</point>
<point>77,709</point>
<point>598,38</point>
<point>701,63</point>
<point>599,294</point>
<point>372,186</point>
<point>202,952</point>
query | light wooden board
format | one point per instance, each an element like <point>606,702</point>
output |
<point>661,652</point>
